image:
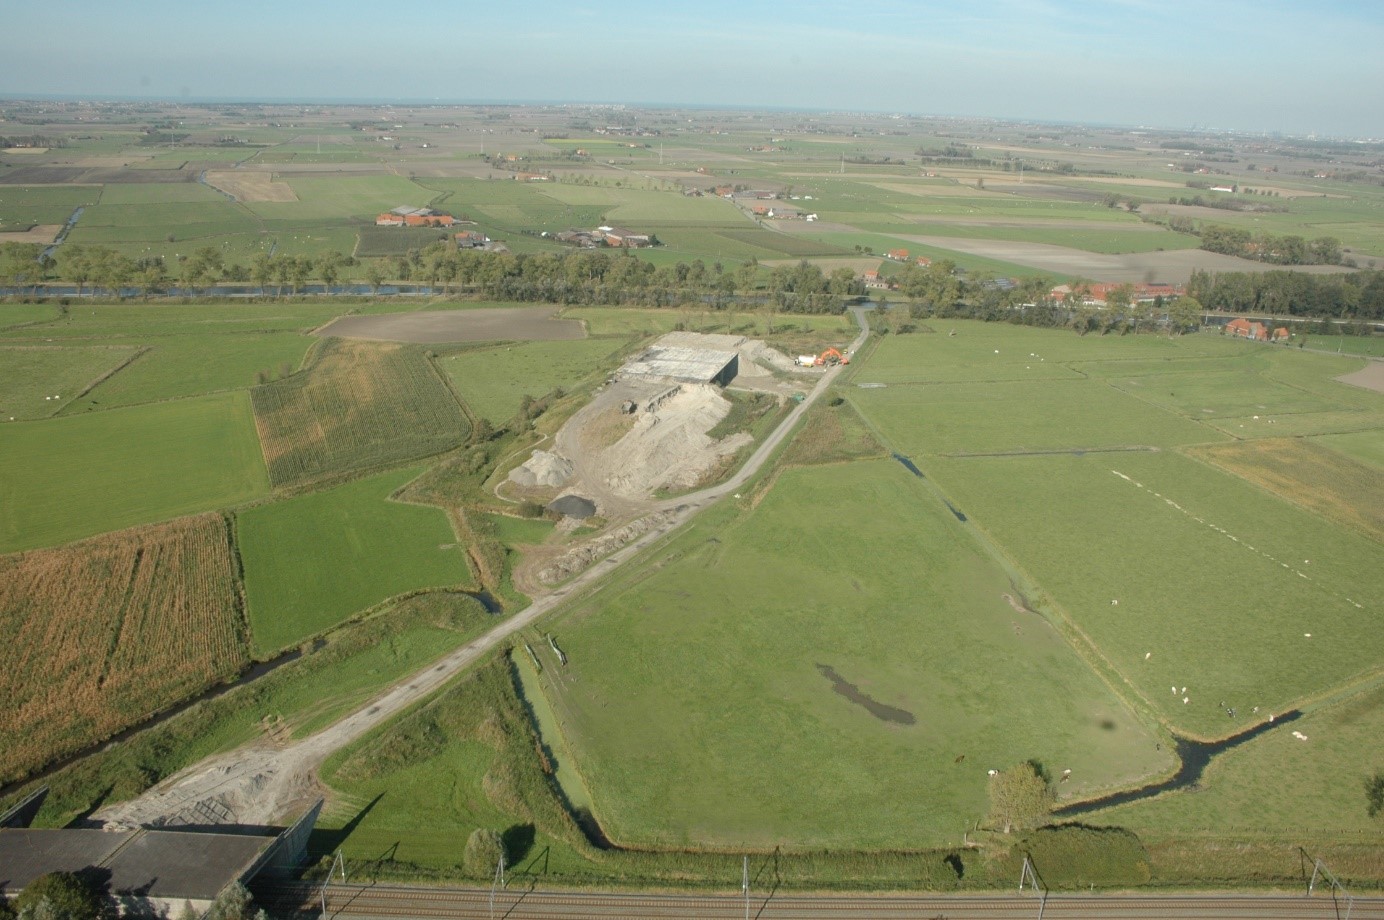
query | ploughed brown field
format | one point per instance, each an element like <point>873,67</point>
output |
<point>436,327</point>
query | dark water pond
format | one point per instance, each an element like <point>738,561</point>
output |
<point>875,708</point>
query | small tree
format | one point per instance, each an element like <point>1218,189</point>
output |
<point>64,895</point>
<point>1374,794</point>
<point>1184,314</point>
<point>232,904</point>
<point>483,851</point>
<point>1020,797</point>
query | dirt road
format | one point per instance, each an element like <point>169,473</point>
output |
<point>261,783</point>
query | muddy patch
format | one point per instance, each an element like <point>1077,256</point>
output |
<point>1371,377</point>
<point>875,708</point>
<point>1018,604</point>
<point>516,324</point>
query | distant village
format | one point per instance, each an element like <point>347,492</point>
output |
<point>763,203</point>
<point>608,236</point>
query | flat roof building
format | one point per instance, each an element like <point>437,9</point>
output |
<point>152,870</point>
<point>684,365</point>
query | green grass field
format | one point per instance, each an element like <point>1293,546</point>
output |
<point>352,549</point>
<point>375,242</point>
<point>39,381</point>
<point>493,380</point>
<point>66,478</point>
<point>13,315</point>
<point>1347,344</point>
<point>22,207</point>
<point>157,193</point>
<point>117,323</point>
<point>1205,540</point>
<point>1219,584</point>
<point>1365,446</point>
<point>413,790</point>
<point>343,197</point>
<point>1018,416</point>
<point>714,657</point>
<point>514,530</point>
<point>192,223</point>
<point>1277,784</point>
<point>1329,483</point>
<point>639,207</point>
<point>190,365</point>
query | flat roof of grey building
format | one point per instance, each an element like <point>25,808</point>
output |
<point>181,864</point>
<point>26,853</point>
<point>691,365</point>
<point>147,862</point>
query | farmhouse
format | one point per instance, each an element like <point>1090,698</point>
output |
<point>1099,294</point>
<point>874,282</point>
<point>1245,329</point>
<point>619,237</point>
<point>471,239</point>
<point>586,239</point>
<point>897,255</point>
<point>414,217</point>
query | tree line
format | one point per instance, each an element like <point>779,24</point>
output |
<point>1266,247</point>
<point>581,278</point>
<point>1348,295</point>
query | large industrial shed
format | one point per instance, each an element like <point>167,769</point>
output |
<point>677,364</point>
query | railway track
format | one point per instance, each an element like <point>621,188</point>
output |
<point>390,901</point>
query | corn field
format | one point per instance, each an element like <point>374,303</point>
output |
<point>359,406</point>
<point>103,633</point>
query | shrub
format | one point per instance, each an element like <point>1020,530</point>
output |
<point>483,851</point>
<point>1077,856</point>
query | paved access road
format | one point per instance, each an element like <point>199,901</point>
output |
<point>389,901</point>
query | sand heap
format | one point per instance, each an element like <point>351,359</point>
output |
<point>542,469</point>
<point>668,447</point>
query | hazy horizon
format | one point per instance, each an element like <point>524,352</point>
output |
<point>1271,66</point>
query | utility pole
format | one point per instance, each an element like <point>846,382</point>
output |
<point>745,886</point>
<point>497,882</point>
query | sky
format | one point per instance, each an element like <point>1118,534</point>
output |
<point>1293,66</point>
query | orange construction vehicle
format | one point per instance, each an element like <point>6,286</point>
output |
<point>831,356</point>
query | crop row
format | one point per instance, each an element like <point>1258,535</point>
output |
<point>359,406</point>
<point>105,631</point>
